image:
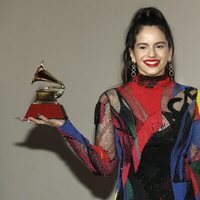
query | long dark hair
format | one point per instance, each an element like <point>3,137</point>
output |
<point>143,17</point>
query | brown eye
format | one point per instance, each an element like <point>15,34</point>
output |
<point>142,47</point>
<point>160,46</point>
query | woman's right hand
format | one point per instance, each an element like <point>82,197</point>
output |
<point>45,121</point>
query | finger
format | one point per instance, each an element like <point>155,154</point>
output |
<point>36,121</point>
<point>43,121</point>
<point>56,123</point>
<point>49,122</point>
<point>42,117</point>
<point>22,119</point>
<point>31,122</point>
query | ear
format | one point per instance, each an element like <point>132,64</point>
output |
<point>170,55</point>
<point>132,55</point>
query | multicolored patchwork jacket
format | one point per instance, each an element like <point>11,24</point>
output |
<point>150,129</point>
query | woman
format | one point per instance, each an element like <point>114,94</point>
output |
<point>148,126</point>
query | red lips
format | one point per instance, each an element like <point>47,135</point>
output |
<point>152,62</point>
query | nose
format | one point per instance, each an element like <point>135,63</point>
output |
<point>151,52</point>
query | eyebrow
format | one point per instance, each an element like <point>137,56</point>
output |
<point>143,43</point>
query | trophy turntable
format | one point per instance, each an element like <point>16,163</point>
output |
<point>46,98</point>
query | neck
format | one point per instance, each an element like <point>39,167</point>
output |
<point>151,81</point>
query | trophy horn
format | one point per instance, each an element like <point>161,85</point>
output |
<point>42,74</point>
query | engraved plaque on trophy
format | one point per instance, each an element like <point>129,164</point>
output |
<point>46,98</point>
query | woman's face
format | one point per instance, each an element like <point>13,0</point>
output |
<point>151,52</point>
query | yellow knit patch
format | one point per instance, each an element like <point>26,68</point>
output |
<point>198,100</point>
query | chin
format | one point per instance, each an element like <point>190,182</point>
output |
<point>155,73</point>
<point>152,74</point>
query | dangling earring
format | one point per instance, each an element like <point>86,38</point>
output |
<point>171,71</point>
<point>133,70</point>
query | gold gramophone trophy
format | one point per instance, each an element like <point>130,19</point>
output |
<point>46,98</point>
